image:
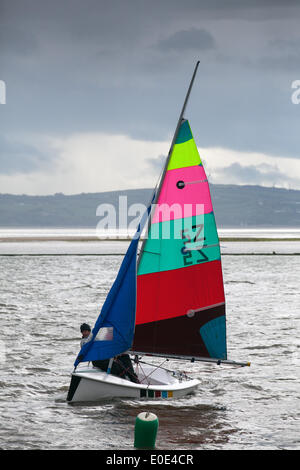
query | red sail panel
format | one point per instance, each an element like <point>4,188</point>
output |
<point>170,294</point>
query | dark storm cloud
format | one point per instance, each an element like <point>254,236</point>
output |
<point>124,66</point>
<point>18,156</point>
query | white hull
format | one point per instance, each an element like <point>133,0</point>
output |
<point>91,384</point>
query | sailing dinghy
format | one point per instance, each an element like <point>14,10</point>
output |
<point>168,301</point>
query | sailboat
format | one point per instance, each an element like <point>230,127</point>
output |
<point>167,300</point>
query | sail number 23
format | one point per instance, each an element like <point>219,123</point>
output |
<point>187,252</point>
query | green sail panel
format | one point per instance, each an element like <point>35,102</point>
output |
<point>180,243</point>
<point>185,152</point>
<point>184,133</point>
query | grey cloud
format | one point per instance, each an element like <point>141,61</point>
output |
<point>285,45</point>
<point>119,9</point>
<point>17,156</point>
<point>124,66</point>
<point>283,54</point>
<point>192,39</point>
<point>17,40</point>
<point>260,174</point>
<point>157,163</point>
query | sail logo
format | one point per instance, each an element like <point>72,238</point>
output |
<point>193,244</point>
<point>295,98</point>
<point>2,92</point>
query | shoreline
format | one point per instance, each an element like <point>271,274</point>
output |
<point>75,238</point>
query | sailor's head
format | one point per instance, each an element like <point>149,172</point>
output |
<point>85,330</point>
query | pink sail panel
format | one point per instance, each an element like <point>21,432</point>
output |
<point>170,294</point>
<point>183,186</point>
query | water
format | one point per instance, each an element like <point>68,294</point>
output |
<point>45,298</point>
<point>27,232</point>
<point>48,241</point>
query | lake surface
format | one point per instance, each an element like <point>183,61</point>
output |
<point>43,301</point>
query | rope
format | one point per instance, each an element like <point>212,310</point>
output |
<point>146,377</point>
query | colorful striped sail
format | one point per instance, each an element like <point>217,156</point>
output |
<point>180,307</point>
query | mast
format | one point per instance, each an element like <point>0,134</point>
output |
<point>178,126</point>
<point>170,151</point>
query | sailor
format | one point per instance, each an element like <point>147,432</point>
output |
<point>86,333</point>
<point>121,366</point>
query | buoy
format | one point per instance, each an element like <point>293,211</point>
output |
<point>146,426</point>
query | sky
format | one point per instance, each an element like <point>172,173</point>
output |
<point>91,91</point>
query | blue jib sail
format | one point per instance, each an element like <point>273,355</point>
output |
<point>114,329</point>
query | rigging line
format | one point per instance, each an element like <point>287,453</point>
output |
<point>157,367</point>
<point>144,380</point>
<point>149,364</point>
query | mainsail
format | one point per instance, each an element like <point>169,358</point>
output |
<point>180,295</point>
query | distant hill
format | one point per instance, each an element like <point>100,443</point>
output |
<point>234,206</point>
